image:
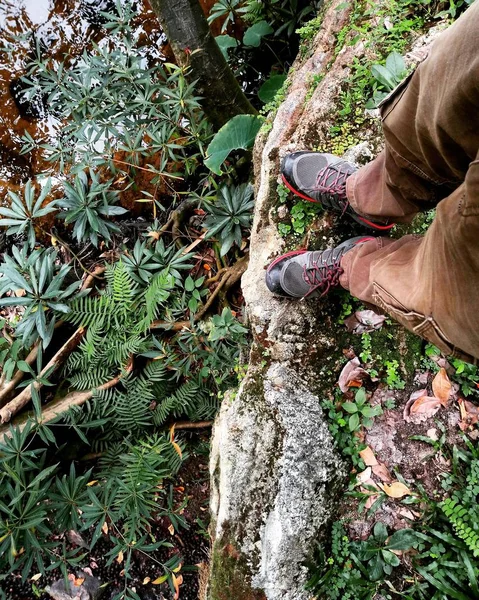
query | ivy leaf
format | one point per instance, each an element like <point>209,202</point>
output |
<point>225,42</point>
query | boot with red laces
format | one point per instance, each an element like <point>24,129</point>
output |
<point>303,274</point>
<point>318,177</point>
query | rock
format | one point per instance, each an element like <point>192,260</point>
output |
<point>275,473</point>
<point>81,587</point>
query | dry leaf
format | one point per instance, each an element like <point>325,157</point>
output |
<point>432,433</point>
<point>171,529</point>
<point>177,449</point>
<point>368,457</point>
<point>370,501</point>
<point>381,471</point>
<point>104,528</point>
<point>395,490</point>
<point>469,414</point>
<point>76,539</point>
<point>364,476</point>
<point>36,577</point>
<point>177,581</point>
<point>160,580</point>
<point>154,234</point>
<point>426,405</point>
<point>119,558</point>
<point>441,386</point>
<point>90,483</point>
<point>352,371</point>
<point>407,514</point>
<point>364,321</point>
<point>88,571</point>
<point>146,580</point>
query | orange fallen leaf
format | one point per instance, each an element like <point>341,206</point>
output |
<point>119,558</point>
<point>381,471</point>
<point>177,581</point>
<point>395,490</point>
<point>160,580</point>
<point>368,457</point>
<point>177,449</point>
<point>206,267</point>
<point>104,528</point>
<point>171,529</point>
<point>441,386</point>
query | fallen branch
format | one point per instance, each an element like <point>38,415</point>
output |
<point>231,276</point>
<point>90,280</point>
<point>58,407</point>
<point>192,425</point>
<point>12,407</point>
<point>8,388</point>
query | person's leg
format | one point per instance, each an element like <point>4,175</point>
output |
<point>428,283</point>
<point>431,129</point>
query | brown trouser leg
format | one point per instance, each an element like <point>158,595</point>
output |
<point>428,283</point>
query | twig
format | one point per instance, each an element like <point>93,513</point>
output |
<point>166,175</point>
<point>90,280</point>
<point>15,405</point>
<point>191,425</point>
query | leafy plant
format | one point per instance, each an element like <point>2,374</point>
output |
<point>229,215</point>
<point>361,411</point>
<point>386,77</point>
<point>230,9</point>
<point>86,204</point>
<point>23,214</point>
<point>37,283</point>
<point>239,133</point>
<point>376,551</point>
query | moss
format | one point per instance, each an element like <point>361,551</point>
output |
<point>230,575</point>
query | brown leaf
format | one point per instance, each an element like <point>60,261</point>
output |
<point>381,471</point>
<point>426,405</point>
<point>146,580</point>
<point>364,475</point>
<point>120,557</point>
<point>104,528</point>
<point>370,501</point>
<point>429,408</point>
<point>76,539</point>
<point>352,371</point>
<point>441,386</point>
<point>469,414</point>
<point>364,321</point>
<point>395,490</point>
<point>407,514</point>
<point>171,529</point>
<point>177,449</point>
<point>368,457</point>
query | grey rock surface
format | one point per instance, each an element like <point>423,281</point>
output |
<point>88,589</point>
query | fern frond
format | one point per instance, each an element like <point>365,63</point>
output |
<point>91,378</point>
<point>87,311</point>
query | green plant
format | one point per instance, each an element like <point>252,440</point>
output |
<point>148,258</point>
<point>36,282</point>
<point>226,8</point>
<point>302,215</point>
<point>361,411</point>
<point>86,204</point>
<point>393,378</point>
<point>23,214</point>
<point>229,215</point>
<point>239,133</point>
<point>336,576</point>
<point>386,77</point>
<point>377,550</point>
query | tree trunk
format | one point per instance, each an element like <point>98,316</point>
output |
<point>190,37</point>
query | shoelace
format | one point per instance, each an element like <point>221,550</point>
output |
<point>322,277</point>
<point>334,189</point>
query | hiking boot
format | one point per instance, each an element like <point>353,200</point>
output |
<point>300,274</point>
<point>318,177</point>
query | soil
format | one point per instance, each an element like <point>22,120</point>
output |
<point>191,544</point>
